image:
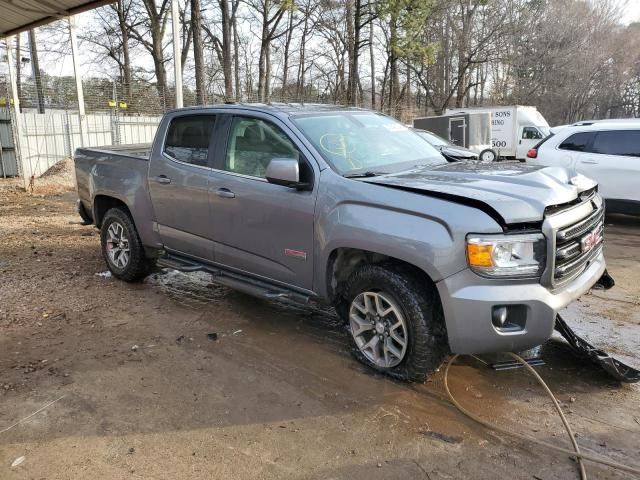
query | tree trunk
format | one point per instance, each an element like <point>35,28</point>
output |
<point>262,67</point>
<point>226,49</point>
<point>301,67</point>
<point>157,25</point>
<point>161,75</point>
<point>198,55</point>
<point>126,57</point>
<point>267,74</point>
<point>351,52</point>
<point>373,67</point>
<point>287,46</point>
<point>236,56</point>
<point>35,64</point>
<point>394,77</point>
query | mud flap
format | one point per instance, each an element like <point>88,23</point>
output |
<point>584,349</point>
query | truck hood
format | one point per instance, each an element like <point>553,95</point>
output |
<point>517,193</point>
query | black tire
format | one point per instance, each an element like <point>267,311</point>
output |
<point>488,152</point>
<point>427,344</point>
<point>138,265</point>
<point>86,218</point>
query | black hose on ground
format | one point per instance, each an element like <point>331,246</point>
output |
<point>576,452</point>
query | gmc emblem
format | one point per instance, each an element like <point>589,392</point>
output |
<point>590,240</point>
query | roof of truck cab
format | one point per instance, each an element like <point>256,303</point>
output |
<point>286,109</point>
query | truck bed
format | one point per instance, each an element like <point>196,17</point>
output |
<point>138,150</point>
<point>116,172</point>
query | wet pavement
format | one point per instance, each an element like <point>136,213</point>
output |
<point>148,392</point>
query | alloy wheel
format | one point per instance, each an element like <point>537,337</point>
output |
<point>118,245</point>
<point>379,329</point>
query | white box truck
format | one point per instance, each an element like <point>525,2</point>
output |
<point>514,129</point>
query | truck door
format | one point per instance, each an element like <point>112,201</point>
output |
<point>457,127</point>
<point>528,137</point>
<point>261,228</point>
<point>179,184</point>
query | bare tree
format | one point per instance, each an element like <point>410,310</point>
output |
<point>198,53</point>
<point>149,28</point>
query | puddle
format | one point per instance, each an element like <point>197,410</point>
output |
<point>192,290</point>
<point>197,291</point>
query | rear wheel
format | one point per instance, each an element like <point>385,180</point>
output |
<point>122,248</point>
<point>395,321</point>
<point>488,155</point>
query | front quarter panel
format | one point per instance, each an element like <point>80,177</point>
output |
<point>424,231</point>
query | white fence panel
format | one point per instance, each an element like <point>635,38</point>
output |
<point>54,135</point>
<point>137,129</point>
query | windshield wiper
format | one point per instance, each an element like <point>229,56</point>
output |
<point>363,174</point>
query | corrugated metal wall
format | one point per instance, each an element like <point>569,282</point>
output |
<point>8,161</point>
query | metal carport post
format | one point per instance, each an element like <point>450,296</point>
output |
<point>16,110</point>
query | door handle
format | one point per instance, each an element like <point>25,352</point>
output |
<point>591,162</point>
<point>225,193</point>
<point>162,179</point>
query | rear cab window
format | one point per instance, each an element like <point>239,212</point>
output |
<point>188,139</point>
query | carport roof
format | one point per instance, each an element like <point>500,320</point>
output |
<point>19,15</point>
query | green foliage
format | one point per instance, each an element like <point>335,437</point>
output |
<point>409,19</point>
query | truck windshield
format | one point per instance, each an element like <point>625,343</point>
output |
<point>546,131</point>
<point>365,141</point>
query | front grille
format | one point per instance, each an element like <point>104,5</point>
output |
<point>570,260</point>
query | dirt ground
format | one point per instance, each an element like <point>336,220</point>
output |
<point>140,390</point>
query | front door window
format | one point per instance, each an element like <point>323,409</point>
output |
<point>253,143</point>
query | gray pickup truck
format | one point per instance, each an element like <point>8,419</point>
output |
<point>346,206</point>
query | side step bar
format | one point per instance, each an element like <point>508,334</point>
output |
<point>235,281</point>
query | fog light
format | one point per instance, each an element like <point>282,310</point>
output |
<point>509,318</point>
<point>499,316</point>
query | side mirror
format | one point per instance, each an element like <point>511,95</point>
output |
<point>284,171</point>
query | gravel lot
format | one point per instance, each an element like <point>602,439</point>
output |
<point>143,391</point>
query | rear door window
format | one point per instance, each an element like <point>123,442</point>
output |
<point>619,142</point>
<point>188,139</point>
<point>578,142</point>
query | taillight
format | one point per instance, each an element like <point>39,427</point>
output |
<point>532,153</point>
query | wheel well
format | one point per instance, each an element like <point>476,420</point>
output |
<point>102,204</point>
<point>344,261</point>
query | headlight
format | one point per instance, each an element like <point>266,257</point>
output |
<point>507,255</point>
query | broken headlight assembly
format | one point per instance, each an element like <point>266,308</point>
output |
<point>504,256</point>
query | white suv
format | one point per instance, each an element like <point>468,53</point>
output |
<point>607,151</point>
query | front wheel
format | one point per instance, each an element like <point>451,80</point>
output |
<point>488,155</point>
<point>122,248</point>
<point>395,321</point>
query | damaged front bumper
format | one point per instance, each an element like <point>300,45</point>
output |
<point>615,368</point>
<point>471,304</point>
